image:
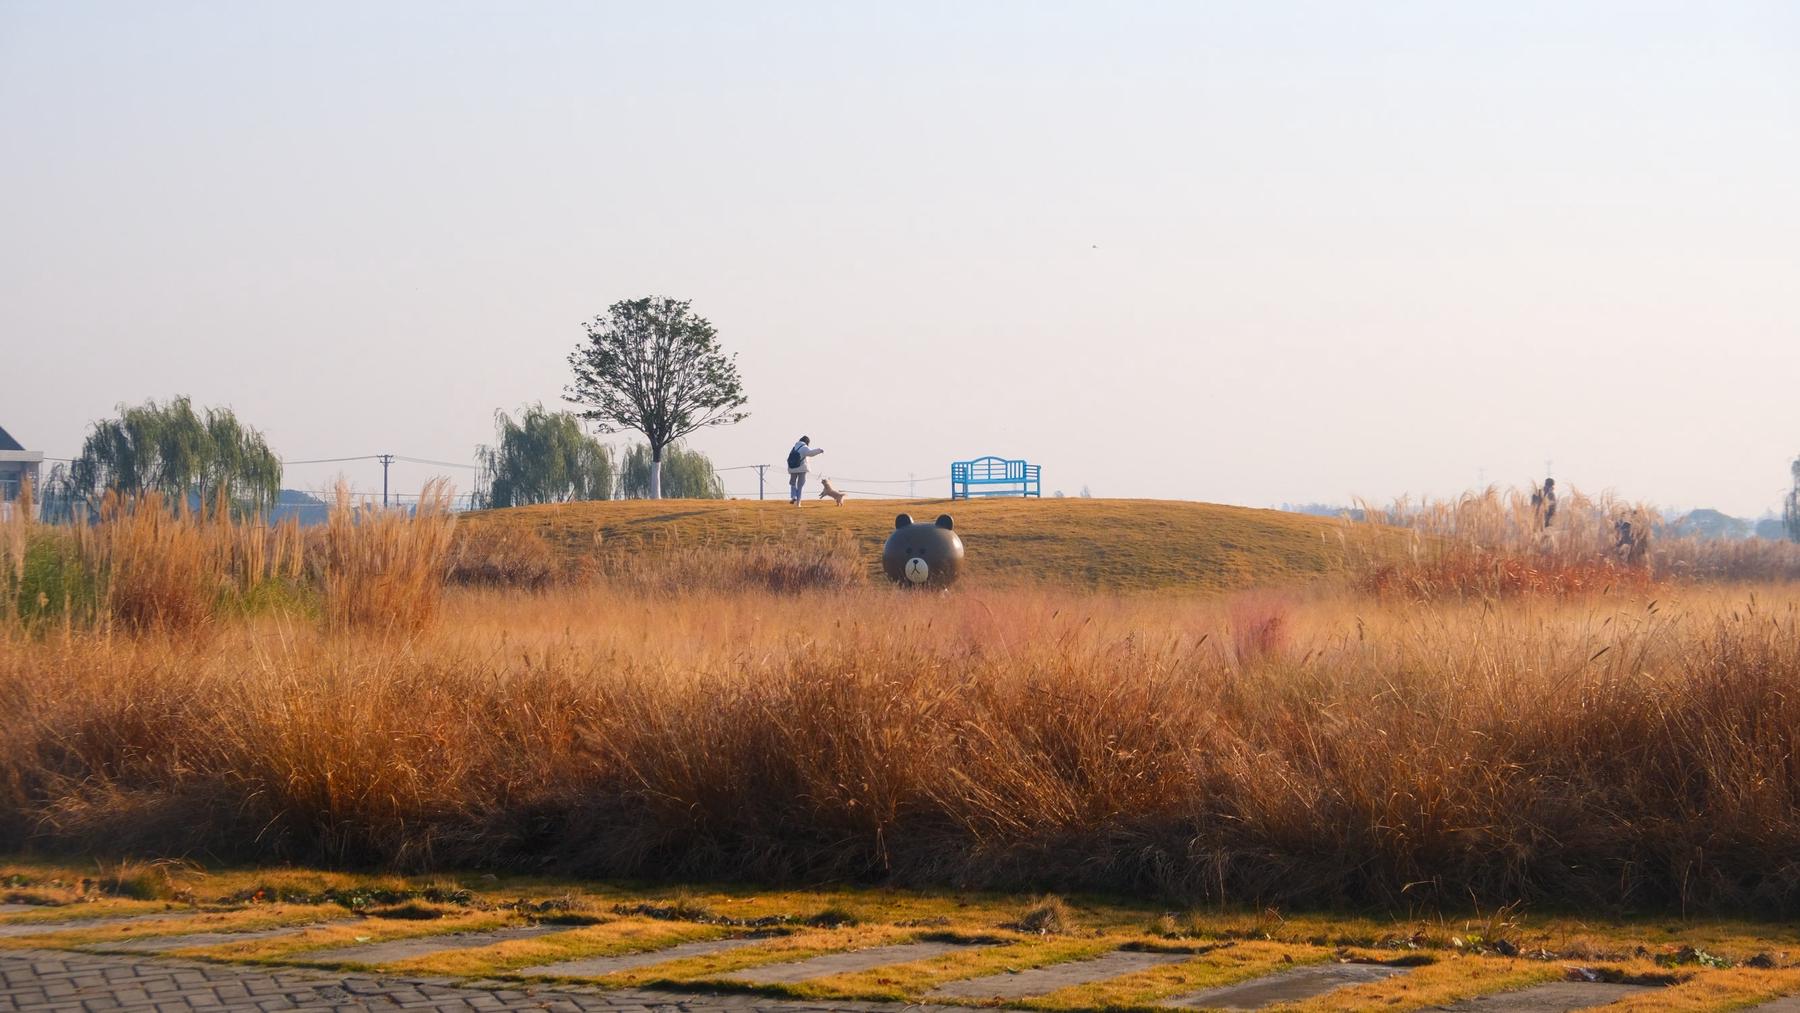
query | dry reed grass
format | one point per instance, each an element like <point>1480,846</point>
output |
<point>1599,750</point>
<point>492,555</point>
<point>148,565</point>
<point>384,569</point>
<point>1496,543</point>
<point>168,568</point>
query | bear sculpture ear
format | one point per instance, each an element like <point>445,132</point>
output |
<point>904,520</point>
<point>944,522</point>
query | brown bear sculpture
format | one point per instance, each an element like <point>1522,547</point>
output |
<point>923,555</point>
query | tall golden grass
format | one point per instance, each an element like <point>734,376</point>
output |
<point>385,569</point>
<point>1632,747</point>
<point>1607,751</point>
<point>147,564</point>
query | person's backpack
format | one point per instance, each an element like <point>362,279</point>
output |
<point>795,457</point>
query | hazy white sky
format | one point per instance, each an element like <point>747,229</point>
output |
<point>1250,253</point>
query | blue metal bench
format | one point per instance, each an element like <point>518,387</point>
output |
<point>993,476</point>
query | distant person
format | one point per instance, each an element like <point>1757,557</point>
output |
<point>1632,541</point>
<point>797,467</point>
<point>1543,502</point>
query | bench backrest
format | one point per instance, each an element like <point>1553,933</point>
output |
<point>991,470</point>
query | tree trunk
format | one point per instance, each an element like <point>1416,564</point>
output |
<point>656,473</point>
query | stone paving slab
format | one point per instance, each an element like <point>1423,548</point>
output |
<point>390,950</point>
<point>842,963</point>
<point>1790,1004</point>
<point>42,981</point>
<point>596,967</point>
<point>1041,980</point>
<point>1555,997</point>
<point>14,929</point>
<point>1302,982</point>
<point>163,944</point>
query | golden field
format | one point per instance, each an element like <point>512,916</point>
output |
<point>1423,727</point>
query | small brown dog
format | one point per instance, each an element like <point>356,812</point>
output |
<point>826,490</point>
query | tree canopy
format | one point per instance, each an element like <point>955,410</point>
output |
<point>544,457</point>
<point>652,366</point>
<point>188,456</point>
<point>686,474</point>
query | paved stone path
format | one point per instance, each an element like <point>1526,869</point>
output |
<point>389,950</point>
<point>1041,980</point>
<point>50,981</point>
<point>595,967</point>
<point>1286,986</point>
<point>841,963</point>
<point>1556,997</point>
<point>60,981</point>
<point>163,944</point>
<point>39,928</point>
<point>13,909</point>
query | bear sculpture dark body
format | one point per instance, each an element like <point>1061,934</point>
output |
<point>922,555</point>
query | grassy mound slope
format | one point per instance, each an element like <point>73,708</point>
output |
<point>1119,545</point>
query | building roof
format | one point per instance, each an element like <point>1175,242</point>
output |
<point>7,442</point>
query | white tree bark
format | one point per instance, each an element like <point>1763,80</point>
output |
<point>656,478</point>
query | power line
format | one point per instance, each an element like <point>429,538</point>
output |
<point>441,464</point>
<point>335,460</point>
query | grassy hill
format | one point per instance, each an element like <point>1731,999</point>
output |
<point>1121,545</point>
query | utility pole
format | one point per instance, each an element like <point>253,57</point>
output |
<point>912,486</point>
<point>759,479</point>
<point>385,459</point>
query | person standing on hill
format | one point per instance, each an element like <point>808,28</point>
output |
<point>797,467</point>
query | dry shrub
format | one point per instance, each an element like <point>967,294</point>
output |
<point>1045,916</point>
<point>1758,560</point>
<point>1474,571</point>
<point>140,880</point>
<point>829,561</point>
<point>495,555</point>
<point>382,569</point>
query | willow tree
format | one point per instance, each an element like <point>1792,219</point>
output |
<point>652,366</point>
<point>189,456</point>
<point>686,474</point>
<point>544,457</point>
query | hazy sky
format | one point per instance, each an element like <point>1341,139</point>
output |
<point>1248,253</point>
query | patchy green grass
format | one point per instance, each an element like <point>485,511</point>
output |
<point>609,938</point>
